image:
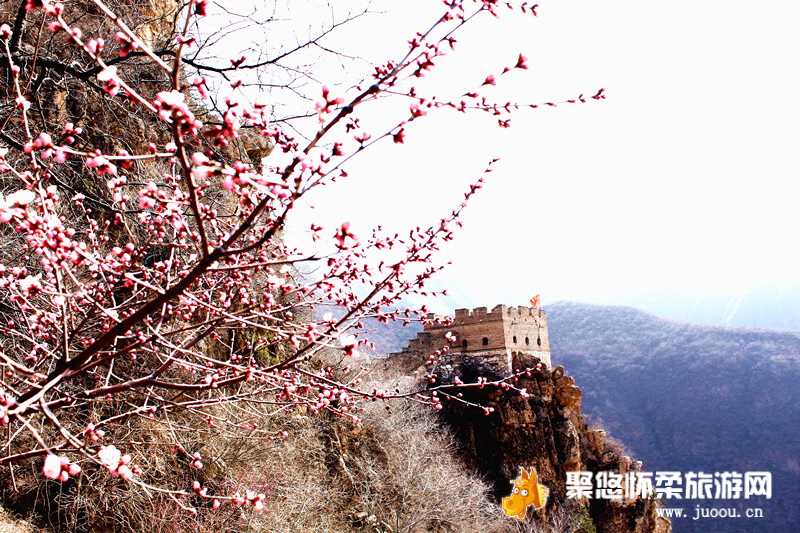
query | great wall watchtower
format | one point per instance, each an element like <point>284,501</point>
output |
<point>499,335</point>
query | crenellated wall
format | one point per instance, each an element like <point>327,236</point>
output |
<point>495,335</point>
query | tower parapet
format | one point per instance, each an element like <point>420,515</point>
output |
<point>499,335</point>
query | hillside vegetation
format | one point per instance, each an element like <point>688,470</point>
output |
<point>394,472</point>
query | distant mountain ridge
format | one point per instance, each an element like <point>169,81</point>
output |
<point>767,306</point>
<point>691,398</point>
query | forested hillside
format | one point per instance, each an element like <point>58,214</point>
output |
<point>691,398</point>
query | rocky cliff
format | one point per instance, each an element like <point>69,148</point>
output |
<point>547,430</point>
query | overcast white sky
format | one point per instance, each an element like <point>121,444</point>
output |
<point>685,178</point>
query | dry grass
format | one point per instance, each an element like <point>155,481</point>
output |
<point>9,524</point>
<point>395,472</point>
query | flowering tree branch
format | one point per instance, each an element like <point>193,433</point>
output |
<point>166,287</point>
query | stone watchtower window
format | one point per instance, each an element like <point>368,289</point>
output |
<point>486,341</point>
<point>464,344</point>
<point>527,340</point>
<point>515,339</point>
<point>539,341</point>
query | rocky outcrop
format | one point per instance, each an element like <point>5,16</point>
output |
<point>542,428</point>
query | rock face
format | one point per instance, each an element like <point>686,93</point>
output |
<point>545,430</point>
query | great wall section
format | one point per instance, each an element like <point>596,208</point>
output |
<point>500,340</point>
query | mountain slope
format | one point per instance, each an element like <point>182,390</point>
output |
<point>691,398</point>
<point>765,306</point>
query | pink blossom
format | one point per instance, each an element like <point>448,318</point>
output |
<point>30,5</point>
<point>348,343</point>
<point>126,45</point>
<point>44,140</point>
<point>102,164</point>
<point>168,101</point>
<point>74,35</point>
<point>199,158</point>
<point>185,40</point>
<point>197,461</point>
<point>125,472</point>
<point>342,234</point>
<point>31,284</point>
<point>147,202</point>
<point>95,46</point>
<point>200,7</point>
<point>362,137</point>
<point>203,172</point>
<point>22,103</point>
<point>172,106</point>
<point>112,82</point>
<point>110,456</point>
<point>417,111</point>
<point>199,83</point>
<point>21,197</point>
<point>52,9</point>
<point>52,466</point>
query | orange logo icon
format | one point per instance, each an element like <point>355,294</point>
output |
<point>527,491</point>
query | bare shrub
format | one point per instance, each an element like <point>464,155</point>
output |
<point>403,471</point>
<point>568,518</point>
<point>9,524</point>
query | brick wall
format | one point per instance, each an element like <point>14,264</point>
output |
<point>493,334</point>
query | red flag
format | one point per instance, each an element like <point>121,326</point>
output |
<point>535,301</point>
